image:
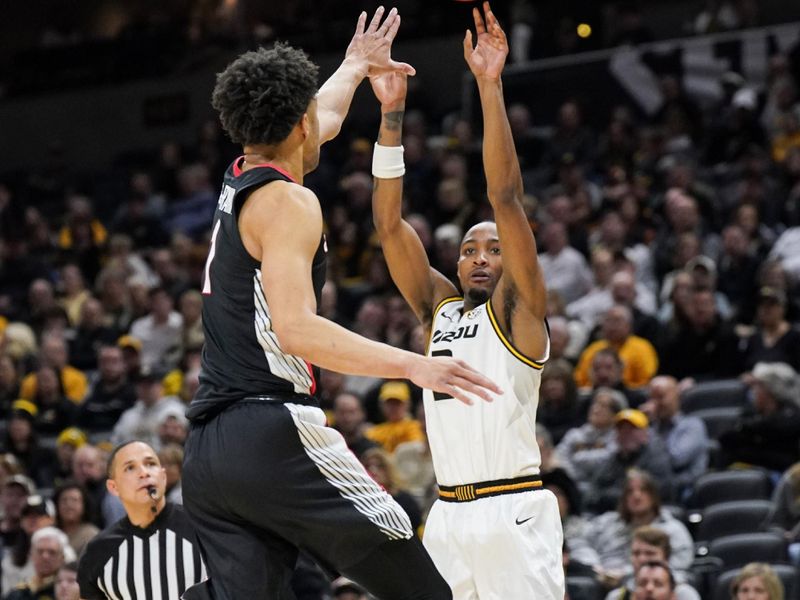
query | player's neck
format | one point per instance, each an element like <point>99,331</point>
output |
<point>260,154</point>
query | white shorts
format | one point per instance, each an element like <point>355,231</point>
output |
<point>499,548</point>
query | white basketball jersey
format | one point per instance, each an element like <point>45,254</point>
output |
<point>488,440</point>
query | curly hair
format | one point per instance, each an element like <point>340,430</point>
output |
<point>263,94</point>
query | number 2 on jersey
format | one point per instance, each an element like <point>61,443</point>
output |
<point>440,395</point>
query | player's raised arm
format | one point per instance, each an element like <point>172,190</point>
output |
<point>422,286</point>
<point>288,246</point>
<point>369,50</point>
<point>504,182</point>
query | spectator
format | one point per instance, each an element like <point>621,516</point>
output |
<point>636,448</point>
<point>775,339</point>
<point>757,580</point>
<point>72,515</point>
<point>9,381</point>
<point>558,400</point>
<point>74,292</point>
<point>191,308</point>
<point>650,544</point>
<point>586,448</point>
<point>399,427</point>
<point>348,418</point>
<point>49,550</point>
<point>13,497</point>
<point>55,412</point>
<point>88,469</point>
<point>414,465</point>
<point>684,437</point>
<point>380,466</point>
<point>67,442</point>
<point>654,581</point>
<point>606,371</point>
<point>141,421</point>
<point>160,332</point>
<point>170,276</point>
<point>639,358</point>
<point>569,508</point>
<point>704,347</point>
<point>171,457</point>
<point>90,333</point>
<point>54,354</point>
<point>67,587</point>
<point>738,267</point>
<point>173,427</point>
<point>766,434</point>
<point>786,509</point>
<point>610,534</point>
<point>111,394</point>
<point>21,441</point>
<point>564,268</point>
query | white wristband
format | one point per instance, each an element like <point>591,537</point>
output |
<point>387,162</point>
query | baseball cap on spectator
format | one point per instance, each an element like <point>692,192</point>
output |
<point>22,481</point>
<point>342,585</point>
<point>151,373</point>
<point>176,413</point>
<point>635,417</point>
<point>780,380</point>
<point>448,233</point>
<point>702,262</point>
<point>745,98</point>
<point>395,390</point>
<point>771,294</point>
<point>24,409</point>
<point>36,505</point>
<point>72,436</point>
<point>128,341</point>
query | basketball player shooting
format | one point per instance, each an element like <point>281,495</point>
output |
<point>494,532</point>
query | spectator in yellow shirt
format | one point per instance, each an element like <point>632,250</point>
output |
<point>399,427</point>
<point>54,354</point>
<point>639,357</point>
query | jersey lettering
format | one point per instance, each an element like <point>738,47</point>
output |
<point>465,331</point>
<point>440,395</point>
<point>225,202</point>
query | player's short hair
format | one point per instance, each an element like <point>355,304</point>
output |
<point>263,94</point>
<point>112,457</point>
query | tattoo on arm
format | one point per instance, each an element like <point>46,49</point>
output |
<point>394,120</point>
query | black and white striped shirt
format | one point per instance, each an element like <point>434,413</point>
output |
<point>126,562</point>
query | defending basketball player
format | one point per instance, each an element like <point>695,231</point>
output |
<point>494,532</point>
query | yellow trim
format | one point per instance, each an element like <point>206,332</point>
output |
<point>493,320</point>
<point>433,318</point>
<point>507,488</point>
<point>465,493</point>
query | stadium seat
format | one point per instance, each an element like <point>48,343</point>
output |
<point>729,518</point>
<point>726,486</point>
<point>786,573</point>
<point>737,550</point>
<point>580,587</point>
<point>718,420</point>
<point>723,393</point>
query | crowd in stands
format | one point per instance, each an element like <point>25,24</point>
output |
<point>670,250</point>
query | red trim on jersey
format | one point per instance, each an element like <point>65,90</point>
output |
<point>237,170</point>
<point>313,381</point>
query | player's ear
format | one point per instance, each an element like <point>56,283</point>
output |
<point>111,486</point>
<point>305,125</point>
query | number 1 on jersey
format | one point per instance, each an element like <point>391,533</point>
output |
<point>211,252</point>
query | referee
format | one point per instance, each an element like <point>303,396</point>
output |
<point>150,553</point>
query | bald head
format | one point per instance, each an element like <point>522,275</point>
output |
<point>665,395</point>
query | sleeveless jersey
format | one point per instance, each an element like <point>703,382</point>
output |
<point>488,440</point>
<point>242,355</point>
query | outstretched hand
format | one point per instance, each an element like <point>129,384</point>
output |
<point>390,87</point>
<point>453,377</point>
<point>487,59</point>
<point>371,47</point>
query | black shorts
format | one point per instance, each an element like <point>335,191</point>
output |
<point>262,479</point>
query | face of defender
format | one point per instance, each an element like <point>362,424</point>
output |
<point>480,263</point>
<point>311,143</point>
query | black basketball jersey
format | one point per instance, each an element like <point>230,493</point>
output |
<point>242,355</point>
